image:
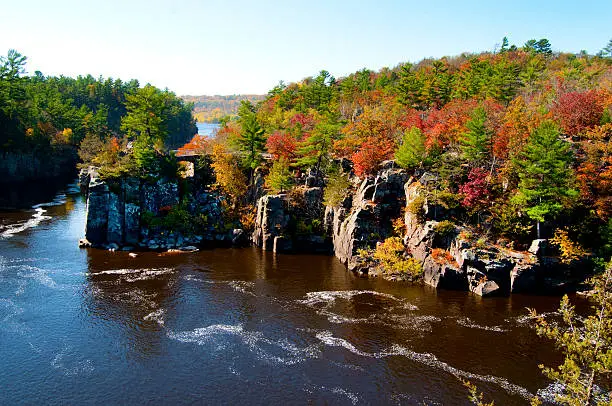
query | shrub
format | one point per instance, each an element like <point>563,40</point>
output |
<point>390,254</point>
<point>280,178</point>
<point>442,256</point>
<point>447,199</point>
<point>417,208</point>
<point>399,227</point>
<point>569,249</point>
<point>444,228</point>
<point>336,189</point>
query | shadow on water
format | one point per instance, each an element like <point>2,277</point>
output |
<point>23,195</point>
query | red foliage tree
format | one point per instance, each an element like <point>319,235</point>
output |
<point>281,145</point>
<point>445,126</point>
<point>579,111</point>
<point>476,190</point>
<point>197,145</point>
<point>372,152</point>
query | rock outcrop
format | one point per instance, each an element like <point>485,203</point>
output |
<point>366,218</point>
<point>484,269</point>
<point>291,222</point>
<point>128,213</point>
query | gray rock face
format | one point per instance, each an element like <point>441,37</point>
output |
<point>367,219</point>
<point>115,209</point>
<point>96,226</point>
<point>271,220</point>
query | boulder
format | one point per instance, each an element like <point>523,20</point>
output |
<point>486,288</point>
<point>271,220</point>
<point>538,247</point>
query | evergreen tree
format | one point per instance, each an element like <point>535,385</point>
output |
<point>314,150</point>
<point>545,176</point>
<point>412,152</point>
<point>409,86</point>
<point>279,179</point>
<point>504,46</point>
<point>606,52</point>
<point>145,114</point>
<point>252,142</point>
<point>476,143</point>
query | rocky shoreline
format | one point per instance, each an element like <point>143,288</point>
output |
<point>120,213</point>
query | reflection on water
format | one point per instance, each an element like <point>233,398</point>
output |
<point>240,325</point>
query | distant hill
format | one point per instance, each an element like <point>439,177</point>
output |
<point>210,109</point>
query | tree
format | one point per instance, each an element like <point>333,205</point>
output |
<point>412,152</point>
<point>252,141</point>
<point>476,190</point>
<point>370,155</point>
<point>579,111</point>
<point>586,343</point>
<point>279,179</point>
<point>504,45</point>
<point>546,179</point>
<point>145,115</point>
<point>281,145</point>
<point>476,142</point>
<point>606,52</point>
<point>314,149</point>
<point>229,177</point>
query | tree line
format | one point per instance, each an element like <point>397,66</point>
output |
<point>518,138</point>
<point>40,112</point>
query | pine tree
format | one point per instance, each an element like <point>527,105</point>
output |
<point>145,114</point>
<point>252,142</point>
<point>314,150</point>
<point>279,179</point>
<point>476,143</point>
<point>409,87</point>
<point>545,176</point>
<point>412,152</point>
<point>504,46</point>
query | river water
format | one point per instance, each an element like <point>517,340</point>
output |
<point>207,129</point>
<point>241,326</point>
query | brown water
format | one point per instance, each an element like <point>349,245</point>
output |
<point>230,326</point>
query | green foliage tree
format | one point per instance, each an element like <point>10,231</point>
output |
<point>586,343</point>
<point>546,178</point>
<point>476,142</point>
<point>145,114</point>
<point>313,152</point>
<point>412,152</point>
<point>280,178</point>
<point>252,142</point>
<point>336,188</point>
<point>606,52</point>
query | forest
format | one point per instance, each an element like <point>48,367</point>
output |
<point>517,139</point>
<point>40,112</point>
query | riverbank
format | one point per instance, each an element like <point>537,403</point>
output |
<point>131,214</point>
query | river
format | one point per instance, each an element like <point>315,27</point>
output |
<point>207,129</point>
<point>241,326</point>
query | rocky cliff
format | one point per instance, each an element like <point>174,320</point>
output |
<point>133,213</point>
<point>450,256</point>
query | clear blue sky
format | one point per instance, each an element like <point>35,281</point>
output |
<point>229,47</point>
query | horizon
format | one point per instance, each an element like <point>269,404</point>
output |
<point>214,49</point>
